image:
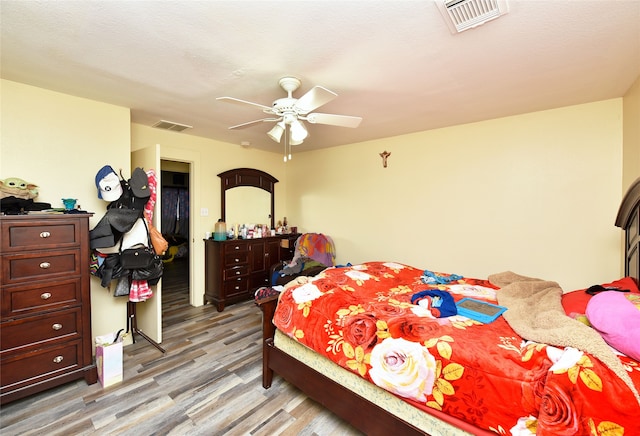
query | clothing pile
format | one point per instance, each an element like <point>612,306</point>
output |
<point>121,242</point>
<point>313,253</point>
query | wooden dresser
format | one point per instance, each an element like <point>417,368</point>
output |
<point>45,334</point>
<point>235,268</point>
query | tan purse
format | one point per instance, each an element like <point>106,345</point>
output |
<point>160,244</point>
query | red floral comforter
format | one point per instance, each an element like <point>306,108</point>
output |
<point>361,317</point>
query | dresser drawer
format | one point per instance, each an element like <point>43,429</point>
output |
<point>235,247</point>
<point>39,329</point>
<point>237,286</point>
<point>25,299</point>
<point>20,268</point>
<point>238,258</point>
<point>28,368</point>
<point>36,235</point>
<point>235,272</point>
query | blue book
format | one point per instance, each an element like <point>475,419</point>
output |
<point>479,310</point>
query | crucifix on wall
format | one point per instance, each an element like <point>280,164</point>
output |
<point>385,154</point>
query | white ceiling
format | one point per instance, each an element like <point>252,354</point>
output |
<point>394,63</point>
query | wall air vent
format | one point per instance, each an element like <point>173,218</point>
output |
<point>170,125</point>
<point>462,15</point>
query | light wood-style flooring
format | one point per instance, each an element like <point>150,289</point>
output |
<point>207,383</point>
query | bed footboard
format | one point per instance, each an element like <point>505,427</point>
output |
<point>363,414</point>
<point>359,412</point>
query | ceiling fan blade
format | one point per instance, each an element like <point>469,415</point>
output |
<point>334,120</point>
<point>313,99</point>
<point>237,100</point>
<point>251,123</point>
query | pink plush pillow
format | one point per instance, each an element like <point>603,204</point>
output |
<point>617,320</point>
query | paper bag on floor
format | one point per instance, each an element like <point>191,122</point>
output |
<point>109,358</point>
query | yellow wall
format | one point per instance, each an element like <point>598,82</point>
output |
<point>536,194</point>
<point>59,142</point>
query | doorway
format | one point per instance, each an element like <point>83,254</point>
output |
<point>176,194</point>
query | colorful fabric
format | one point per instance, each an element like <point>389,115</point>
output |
<point>361,317</point>
<point>94,263</point>
<point>140,291</point>
<point>153,188</point>
<point>439,303</point>
<point>315,246</point>
<point>266,292</point>
<point>430,278</point>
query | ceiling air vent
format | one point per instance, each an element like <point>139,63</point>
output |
<point>462,15</point>
<point>170,125</point>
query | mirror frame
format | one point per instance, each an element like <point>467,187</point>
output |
<point>247,177</point>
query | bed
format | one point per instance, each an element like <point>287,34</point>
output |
<point>377,344</point>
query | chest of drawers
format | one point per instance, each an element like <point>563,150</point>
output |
<point>236,268</point>
<point>45,317</point>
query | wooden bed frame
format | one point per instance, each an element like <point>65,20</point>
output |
<point>360,412</point>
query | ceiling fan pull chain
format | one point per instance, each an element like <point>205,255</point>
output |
<point>286,141</point>
<point>289,142</point>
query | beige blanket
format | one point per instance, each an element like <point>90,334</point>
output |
<point>535,312</point>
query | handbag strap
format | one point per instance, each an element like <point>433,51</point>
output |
<point>146,227</point>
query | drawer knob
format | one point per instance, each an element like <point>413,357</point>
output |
<point>58,359</point>
<point>56,326</point>
<point>237,247</point>
<point>237,273</point>
<point>45,234</point>
<point>45,265</point>
<point>237,287</point>
<point>45,295</point>
<point>237,260</point>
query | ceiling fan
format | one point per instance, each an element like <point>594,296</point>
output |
<point>289,112</point>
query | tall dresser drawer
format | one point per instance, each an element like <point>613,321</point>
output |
<point>19,268</point>
<point>25,299</point>
<point>35,330</point>
<point>42,364</point>
<point>39,236</point>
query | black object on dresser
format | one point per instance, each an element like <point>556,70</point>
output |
<point>235,268</point>
<point>45,325</point>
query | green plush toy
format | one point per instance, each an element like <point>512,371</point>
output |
<point>15,187</point>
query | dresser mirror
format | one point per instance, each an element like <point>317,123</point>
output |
<point>247,196</point>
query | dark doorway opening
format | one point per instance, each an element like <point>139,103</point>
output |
<point>175,203</point>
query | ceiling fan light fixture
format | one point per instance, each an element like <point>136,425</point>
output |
<point>276,132</point>
<point>298,133</point>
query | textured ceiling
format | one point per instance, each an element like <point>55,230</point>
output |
<point>394,63</point>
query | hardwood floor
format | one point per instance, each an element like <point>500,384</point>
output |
<point>207,383</point>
